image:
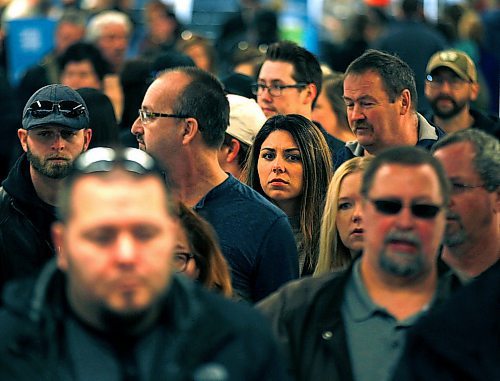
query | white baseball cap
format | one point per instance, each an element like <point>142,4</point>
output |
<point>245,118</point>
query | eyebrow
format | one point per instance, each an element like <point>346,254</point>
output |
<point>361,98</point>
<point>286,149</point>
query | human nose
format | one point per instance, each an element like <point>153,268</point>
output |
<point>356,112</point>
<point>405,219</point>
<point>278,165</point>
<point>137,128</point>
<point>125,249</point>
<point>58,143</point>
<point>356,214</point>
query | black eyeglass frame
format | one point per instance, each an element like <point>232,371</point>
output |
<point>392,207</point>
<point>187,257</point>
<point>145,114</point>
<point>255,87</point>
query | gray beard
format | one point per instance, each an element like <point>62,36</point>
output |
<point>408,265</point>
<point>455,238</point>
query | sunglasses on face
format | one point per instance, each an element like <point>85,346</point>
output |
<point>70,109</point>
<point>394,206</point>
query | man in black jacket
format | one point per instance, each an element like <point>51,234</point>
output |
<point>352,325</point>
<point>113,309</point>
<point>55,131</point>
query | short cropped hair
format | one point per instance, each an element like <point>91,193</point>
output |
<point>396,74</point>
<point>405,156</point>
<point>205,100</point>
<point>306,67</point>
<point>487,149</point>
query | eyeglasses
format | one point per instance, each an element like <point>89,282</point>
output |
<point>70,109</point>
<point>457,188</point>
<point>181,261</point>
<point>394,206</point>
<point>438,81</point>
<point>104,159</point>
<point>148,116</point>
<point>275,90</point>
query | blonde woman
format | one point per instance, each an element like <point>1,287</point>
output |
<point>341,234</point>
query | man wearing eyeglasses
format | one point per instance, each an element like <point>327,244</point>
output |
<point>471,159</point>
<point>110,306</point>
<point>352,325</point>
<point>55,131</point>
<point>289,82</point>
<point>450,87</point>
<point>182,122</point>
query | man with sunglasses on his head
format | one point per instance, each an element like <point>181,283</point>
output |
<point>55,131</point>
<point>110,306</point>
<point>471,159</point>
<point>352,325</point>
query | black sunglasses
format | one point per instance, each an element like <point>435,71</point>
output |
<point>70,109</point>
<point>104,159</point>
<point>394,206</point>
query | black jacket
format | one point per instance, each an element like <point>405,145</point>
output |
<point>460,340</point>
<point>484,122</point>
<point>25,220</point>
<point>202,329</point>
<point>306,317</point>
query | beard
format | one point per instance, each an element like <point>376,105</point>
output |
<point>454,236</point>
<point>447,113</point>
<point>402,264</point>
<point>48,168</point>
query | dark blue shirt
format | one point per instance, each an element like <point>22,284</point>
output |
<point>255,237</point>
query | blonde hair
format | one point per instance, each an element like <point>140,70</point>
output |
<point>333,254</point>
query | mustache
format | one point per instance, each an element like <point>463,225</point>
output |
<point>362,124</point>
<point>444,98</point>
<point>403,236</point>
<point>452,216</point>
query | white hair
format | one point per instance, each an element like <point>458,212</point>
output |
<point>96,24</point>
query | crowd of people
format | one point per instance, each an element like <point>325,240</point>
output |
<point>162,220</point>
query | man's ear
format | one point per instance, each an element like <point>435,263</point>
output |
<point>405,99</point>
<point>311,91</point>
<point>190,129</point>
<point>87,136</point>
<point>22,134</point>
<point>234,149</point>
<point>57,239</point>
<point>474,91</point>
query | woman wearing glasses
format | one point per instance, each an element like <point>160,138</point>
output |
<point>341,236</point>
<point>197,254</point>
<point>290,164</point>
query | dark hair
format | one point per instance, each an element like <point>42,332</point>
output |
<point>396,75</point>
<point>213,268</point>
<point>135,78</point>
<point>317,170</point>
<point>306,67</point>
<point>204,99</point>
<point>405,156</point>
<point>81,51</point>
<point>101,117</point>
<point>487,154</point>
<point>333,86</point>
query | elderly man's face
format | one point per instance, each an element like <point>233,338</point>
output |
<point>405,242</point>
<point>372,117</point>
<point>472,207</point>
<point>113,44</point>
<point>116,247</point>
